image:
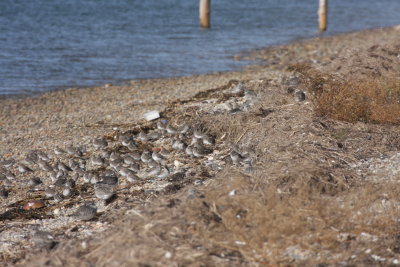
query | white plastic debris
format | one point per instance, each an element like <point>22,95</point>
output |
<point>232,193</point>
<point>151,115</point>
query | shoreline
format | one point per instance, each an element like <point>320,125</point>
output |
<point>302,167</point>
<point>251,55</point>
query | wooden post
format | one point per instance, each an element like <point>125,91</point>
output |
<point>204,12</point>
<point>322,15</point>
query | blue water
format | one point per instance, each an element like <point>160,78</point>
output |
<point>48,44</point>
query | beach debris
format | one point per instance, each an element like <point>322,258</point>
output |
<point>151,115</point>
<point>34,204</point>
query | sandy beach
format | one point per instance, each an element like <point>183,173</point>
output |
<point>307,189</point>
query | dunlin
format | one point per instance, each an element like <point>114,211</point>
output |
<point>153,136</point>
<point>67,192</point>
<point>103,191</point>
<point>132,146</point>
<point>63,167</point>
<point>34,181</point>
<point>157,157</point>
<point>58,197</point>
<point>50,192</point>
<point>199,133</point>
<point>44,165</point>
<point>28,161</point>
<point>171,130</point>
<point>116,163</point>
<point>237,89</point>
<point>97,161</point>
<point>73,151</point>
<point>299,96</point>
<point>236,157</point>
<point>164,172</point>
<point>189,150</point>
<point>132,178</point>
<point>99,143</point>
<point>164,152</point>
<point>7,163</point>
<point>134,167</point>
<point>208,140</point>
<point>129,160</point>
<point>146,156</point>
<point>178,145</point>
<point>142,136</point>
<point>43,239</point>
<point>43,156</point>
<point>125,171</point>
<point>184,128</point>
<point>85,212</point>
<point>200,151</point>
<point>161,125</point>
<point>24,169</point>
<point>115,156</point>
<point>59,151</point>
<point>125,140</point>
<point>109,179</point>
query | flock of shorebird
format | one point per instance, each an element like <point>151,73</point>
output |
<point>137,156</point>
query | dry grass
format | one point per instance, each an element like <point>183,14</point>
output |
<point>368,100</point>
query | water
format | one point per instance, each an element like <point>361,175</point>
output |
<point>48,45</point>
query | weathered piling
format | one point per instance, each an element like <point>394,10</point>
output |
<point>322,15</point>
<point>204,12</point>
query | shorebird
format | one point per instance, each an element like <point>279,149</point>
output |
<point>44,165</point>
<point>146,156</point>
<point>59,151</point>
<point>208,140</point>
<point>7,163</point>
<point>99,143</point>
<point>129,159</point>
<point>200,151</point>
<point>157,157</point>
<point>142,136</point>
<point>34,181</point>
<point>178,145</point>
<point>299,96</point>
<point>164,172</point>
<point>161,125</point>
<point>85,212</point>
<point>103,191</point>
<point>24,169</point>
<point>116,163</point>
<point>171,130</point>
<point>50,192</point>
<point>125,140</point>
<point>109,179</point>
<point>43,239</point>
<point>132,178</point>
<point>43,156</point>
<point>97,161</point>
<point>199,134</point>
